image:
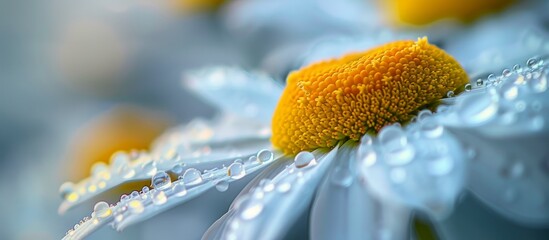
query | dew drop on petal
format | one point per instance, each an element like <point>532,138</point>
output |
<point>145,190</point>
<point>304,159</point>
<point>222,186</point>
<point>236,170</point>
<point>476,109</point>
<point>264,156</point>
<point>284,187</point>
<point>253,209</point>
<point>159,197</point>
<point>149,168</point>
<point>66,189</point>
<point>124,198</point>
<point>134,194</point>
<point>177,169</point>
<point>192,176</point>
<point>366,140</point>
<point>539,84</point>
<point>161,180</point>
<point>369,157</point>
<point>102,210</point>
<point>126,171</point>
<point>100,170</point>
<point>179,189</point>
<point>509,90</point>
<point>342,176</point>
<point>431,129</point>
<point>392,137</point>
<point>136,206</point>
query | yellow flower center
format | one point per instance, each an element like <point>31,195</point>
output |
<point>360,93</point>
<point>420,12</point>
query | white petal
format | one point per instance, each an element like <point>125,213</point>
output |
<point>199,144</point>
<point>344,209</point>
<point>236,91</point>
<point>146,204</point>
<point>421,166</point>
<point>506,124</point>
<point>274,201</point>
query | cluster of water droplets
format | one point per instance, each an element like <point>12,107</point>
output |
<point>421,165</point>
<point>166,192</point>
<point>277,196</point>
<point>503,120</point>
<point>199,144</point>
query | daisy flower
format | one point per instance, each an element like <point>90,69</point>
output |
<point>364,141</point>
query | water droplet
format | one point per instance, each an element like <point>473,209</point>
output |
<point>398,175</point>
<point>366,140</point>
<point>539,84</point>
<point>179,189</point>
<point>468,87</point>
<point>222,186</point>
<point>161,180</point>
<point>149,168</point>
<point>392,137</point>
<point>450,94</point>
<point>126,171</point>
<point>192,176</point>
<point>478,108</point>
<point>514,170</point>
<point>236,170</point>
<point>102,210</point>
<point>159,197</point>
<point>440,165</point>
<point>177,169</point>
<point>342,176</point>
<point>265,156</point>
<point>479,82</point>
<point>134,194</point>
<point>252,160</point>
<point>304,159</point>
<point>100,171</point>
<point>369,157</point>
<point>517,68</point>
<point>136,206</point>
<point>124,198</point>
<point>145,190</point>
<point>66,189</point>
<point>506,72</point>
<point>431,129</point>
<point>284,187</point>
<point>118,160</point>
<point>509,90</point>
<point>533,63</point>
<point>424,114</point>
<point>268,187</point>
<point>520,106</point>
<point>252,210</point>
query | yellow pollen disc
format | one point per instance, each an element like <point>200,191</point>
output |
<point>361,92</point>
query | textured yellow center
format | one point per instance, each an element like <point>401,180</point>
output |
<point>361,92</point>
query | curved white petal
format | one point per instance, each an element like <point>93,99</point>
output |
<point>344,209</point>
<point>274,201</point>
<point>200,144</point>
<point>236,91</point>
<point>505,121</point>
<point>421,166</point>
<point>139,206</point>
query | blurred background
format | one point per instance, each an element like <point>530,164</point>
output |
<point>81,79</point>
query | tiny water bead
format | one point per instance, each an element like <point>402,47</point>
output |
<point>102,210</point>
<point>159,197</point>
<point>236,170</point>
<point>342,176</point>
<point>192,176</point>
<point>179,189</point>
<point>222,186</point>
<point>477,108</point>
<point>177,169</point>
<point>304,159</point>
<point>136,206</point>
<point>361,92</point>
<point>161,180</point>
<point>264,156</point>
